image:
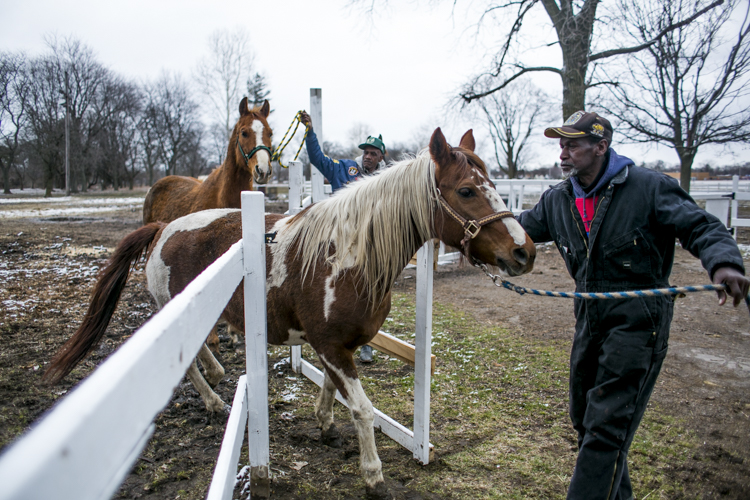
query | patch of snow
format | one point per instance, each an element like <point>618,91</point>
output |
<point>64,212</point>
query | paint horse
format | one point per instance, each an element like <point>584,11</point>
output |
<point>248,157</point>
<point>330,269</point>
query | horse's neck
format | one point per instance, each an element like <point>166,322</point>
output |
<point>232,180</point>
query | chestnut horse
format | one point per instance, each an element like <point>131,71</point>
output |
<point>330,270</point>
<point>248,157</point>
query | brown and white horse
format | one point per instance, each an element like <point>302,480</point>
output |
<point>248,156</point>
<point>329,271</point>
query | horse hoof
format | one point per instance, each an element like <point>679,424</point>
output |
<point>332,438</point>
<point>378,492</point>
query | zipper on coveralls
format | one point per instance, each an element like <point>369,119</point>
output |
<point>585,240</point>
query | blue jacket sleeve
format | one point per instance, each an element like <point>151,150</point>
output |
<point>338,172</point>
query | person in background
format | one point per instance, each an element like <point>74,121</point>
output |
<point>615,226</point>
<point>339,173</point>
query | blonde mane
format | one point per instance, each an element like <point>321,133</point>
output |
<point>373,226</point>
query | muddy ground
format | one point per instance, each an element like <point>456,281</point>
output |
<point>49,262</point>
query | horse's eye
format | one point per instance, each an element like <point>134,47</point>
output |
<point>244,134</point>
<point>466,192</point>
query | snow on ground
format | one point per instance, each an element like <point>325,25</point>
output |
<point>72,200</point>
<point>66,206</point>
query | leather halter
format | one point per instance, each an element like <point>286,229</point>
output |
<point>252,152</point>
<point>471,227</point>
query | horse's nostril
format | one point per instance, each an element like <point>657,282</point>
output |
<point>521,255</point>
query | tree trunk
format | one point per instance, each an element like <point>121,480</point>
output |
<point>6,178</point>
<point>47,181</point>
<point>686,169</point>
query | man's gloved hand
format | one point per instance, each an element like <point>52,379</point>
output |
<point>305,119</point>
<point>736,281</point>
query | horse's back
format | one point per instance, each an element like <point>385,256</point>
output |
<point>169,198</point>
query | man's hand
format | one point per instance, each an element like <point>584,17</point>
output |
<point>737,283</point>
<point>305,119</point>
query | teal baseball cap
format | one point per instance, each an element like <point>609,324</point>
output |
<point>375,142</point>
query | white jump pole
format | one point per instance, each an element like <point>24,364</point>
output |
<point>256,340</point>
<point>296,188</point>
<point>423,351</point>
<point>316,114</point>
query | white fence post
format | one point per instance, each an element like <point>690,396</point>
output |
<point>735,204</point>
<point>316,114</point>
<point>296,188</point>
<point>423,352</point>
<point>253,235</point>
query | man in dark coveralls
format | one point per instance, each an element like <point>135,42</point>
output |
<point>615,226</point>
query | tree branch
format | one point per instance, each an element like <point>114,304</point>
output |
<point>471,96</point>
<point>672,27</point>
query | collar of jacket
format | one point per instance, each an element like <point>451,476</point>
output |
<point>567,186</point>
<point>358,159</point>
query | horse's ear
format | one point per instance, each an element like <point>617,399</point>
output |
<point>243,107</point>
<point>439,148</point>
<point>265,110</point>
<point>467,141</point>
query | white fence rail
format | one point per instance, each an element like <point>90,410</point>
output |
<point>719,196</point>
<point>85,446</point>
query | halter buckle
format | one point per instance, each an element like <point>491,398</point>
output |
<point>472,229</point>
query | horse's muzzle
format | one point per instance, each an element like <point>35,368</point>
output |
<point>521,261</point>
<point>261,177</point>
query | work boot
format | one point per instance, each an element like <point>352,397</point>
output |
<point>365,354</point>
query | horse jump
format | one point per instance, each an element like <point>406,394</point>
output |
<point>329,271</point>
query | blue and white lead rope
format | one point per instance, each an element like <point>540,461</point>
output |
<point>603,295</point>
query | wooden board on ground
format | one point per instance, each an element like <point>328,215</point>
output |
<point>398,349</point>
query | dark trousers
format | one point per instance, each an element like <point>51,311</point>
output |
<point>617,353</point>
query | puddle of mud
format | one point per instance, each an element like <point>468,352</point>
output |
<point>740,364</point>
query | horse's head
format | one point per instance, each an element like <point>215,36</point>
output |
<point>253,144</point>
<point>474,217</point>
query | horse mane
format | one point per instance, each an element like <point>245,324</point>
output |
<point>373,226</point>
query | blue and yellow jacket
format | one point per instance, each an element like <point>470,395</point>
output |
<point>338,172</point>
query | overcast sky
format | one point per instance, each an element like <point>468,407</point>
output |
<point>393,72</point>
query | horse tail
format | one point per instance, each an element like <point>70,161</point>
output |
<point>104,301</point>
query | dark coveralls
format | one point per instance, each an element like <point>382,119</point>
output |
<point>619,345</point>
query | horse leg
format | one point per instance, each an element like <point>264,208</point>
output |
<point>212,369</point>
<point>234,334</point>
<point>210,398</point>
<point>213,341</point>
<point>324,413</point>
<point>363,415</point>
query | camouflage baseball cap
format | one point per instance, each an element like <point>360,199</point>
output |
<point>582,124</point>
<point>375,142</point>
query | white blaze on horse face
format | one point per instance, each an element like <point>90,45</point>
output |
<point>264,159</point>
<point>498,205</point>
<point>157,271</point>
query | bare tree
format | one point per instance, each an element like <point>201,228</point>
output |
<point>512,115</point>
<point>574,25</point>
<point>691,87</point>
<point>175,119</point>
<point>14,96</point>
<point>222,77</point>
